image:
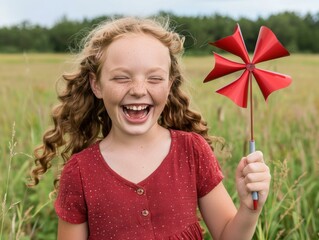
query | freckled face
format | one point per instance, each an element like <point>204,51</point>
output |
<point>134,83</point>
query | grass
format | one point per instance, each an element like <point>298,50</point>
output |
<point>286,130</point>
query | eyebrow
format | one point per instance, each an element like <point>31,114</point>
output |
<point>152,69</point>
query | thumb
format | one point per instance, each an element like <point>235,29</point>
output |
<point>242,164</point>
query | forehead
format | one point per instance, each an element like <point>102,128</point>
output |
<point>137,48</point>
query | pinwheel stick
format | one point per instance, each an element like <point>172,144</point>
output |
<point>252,146</point>
<point>251,110</point>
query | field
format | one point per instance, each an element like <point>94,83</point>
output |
<point>286,130</point>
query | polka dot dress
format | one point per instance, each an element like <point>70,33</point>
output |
<point>162,206</point>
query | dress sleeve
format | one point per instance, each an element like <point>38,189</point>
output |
<point>208,171</point>
<point>70,204</point>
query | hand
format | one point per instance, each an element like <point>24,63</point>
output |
<point>252,175</point>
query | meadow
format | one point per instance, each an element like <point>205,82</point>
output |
<point>286,130</point>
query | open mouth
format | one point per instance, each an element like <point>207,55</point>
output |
<point>136,111</point>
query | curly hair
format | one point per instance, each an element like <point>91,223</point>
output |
<point>80,119</point>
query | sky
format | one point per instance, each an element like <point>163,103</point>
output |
<point>48,12</point>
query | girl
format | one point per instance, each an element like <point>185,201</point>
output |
<point>138,161</point>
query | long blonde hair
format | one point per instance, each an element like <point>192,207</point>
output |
<point>80,118</point>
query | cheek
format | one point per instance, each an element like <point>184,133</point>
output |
<point>160,95</point>
<point>112,97</point>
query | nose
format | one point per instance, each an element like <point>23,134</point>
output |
<point>138,88</point>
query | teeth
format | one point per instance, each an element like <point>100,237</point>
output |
<point>136,108</point>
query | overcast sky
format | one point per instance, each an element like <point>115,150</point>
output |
<point>47,12</point>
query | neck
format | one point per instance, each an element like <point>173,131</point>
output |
<point>128,140</point>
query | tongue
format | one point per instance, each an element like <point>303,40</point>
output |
<point>136,114</point>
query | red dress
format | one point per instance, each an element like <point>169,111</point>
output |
<point>162,206</point>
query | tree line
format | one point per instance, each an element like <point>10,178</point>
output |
<point>298,33</point>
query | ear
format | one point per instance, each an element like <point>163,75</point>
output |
<point>95,85</point>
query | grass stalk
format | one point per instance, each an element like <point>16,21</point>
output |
<point>12,145</point>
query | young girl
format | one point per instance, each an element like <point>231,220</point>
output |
<point>138,161</point>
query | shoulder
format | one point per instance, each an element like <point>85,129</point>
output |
<point>80,160</point>
<point>75,169</point>
<point>185,135</point>
<point>192,138</point>
<point>193,143</point>
<point>83,156</point>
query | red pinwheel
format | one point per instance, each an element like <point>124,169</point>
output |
<point>267,47</point>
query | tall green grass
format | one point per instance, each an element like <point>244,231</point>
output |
<point>286,130</point>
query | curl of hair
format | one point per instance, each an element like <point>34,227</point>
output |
<point>80,118</point>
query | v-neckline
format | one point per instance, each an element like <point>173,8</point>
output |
<point>147,178</point>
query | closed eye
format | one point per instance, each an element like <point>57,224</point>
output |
<point>156,78</point>
<point>121,78</point>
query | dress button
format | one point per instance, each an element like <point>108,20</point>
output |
<point>145,213</point>
<point>140,191</point>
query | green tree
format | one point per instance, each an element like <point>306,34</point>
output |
<point>297,33</point>
<point>65,34</point>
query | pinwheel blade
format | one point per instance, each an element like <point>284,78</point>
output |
<point>223,67</point>
<point>234,44</point>
<point>270,81</point>
<point>237,91</point>
<point>268,46</point>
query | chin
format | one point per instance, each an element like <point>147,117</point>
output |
<point>140,130</point>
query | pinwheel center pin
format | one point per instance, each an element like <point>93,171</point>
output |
<point>250,67</point>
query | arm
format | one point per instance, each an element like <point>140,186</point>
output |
<point>218,210</point>
<point>68,231</point>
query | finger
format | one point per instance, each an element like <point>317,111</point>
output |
<point>256,156</point>
<point>242,164</point>
<point>257,177</point>
<point>256,167</point>
<point>257,187</point>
